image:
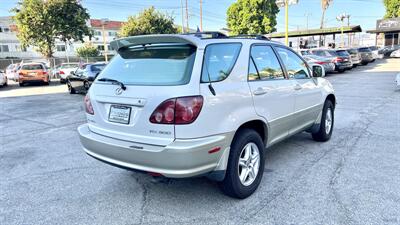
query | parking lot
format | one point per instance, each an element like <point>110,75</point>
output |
<point>46,178</point>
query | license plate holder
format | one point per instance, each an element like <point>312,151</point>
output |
<point>119,114</point>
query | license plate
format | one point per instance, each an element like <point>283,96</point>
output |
<point>31,74</point>
<point>119,114</point>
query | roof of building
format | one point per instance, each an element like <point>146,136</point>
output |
<point>116,25</point>
<point>312,32</point>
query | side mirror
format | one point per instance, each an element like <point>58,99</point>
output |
<point>318,71</point>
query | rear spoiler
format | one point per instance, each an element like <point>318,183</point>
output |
<point>151,39</point>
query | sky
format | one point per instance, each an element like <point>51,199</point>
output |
<point>362,12</point>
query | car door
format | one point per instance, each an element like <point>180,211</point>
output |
<point>273,94</point>
<point>78,78</point>
<point>308,94</point>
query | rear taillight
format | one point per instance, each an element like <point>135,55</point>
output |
<point>337,59</point>
<point>44,73</point>
<point>88,105</point>
<point>182,110</point>
<point>320,63</point>
<point>62,72</point>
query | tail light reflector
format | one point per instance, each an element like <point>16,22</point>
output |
<point>62,72</point>
<point>88,105</point>
<point>182,110</point>
<point>337,59</point>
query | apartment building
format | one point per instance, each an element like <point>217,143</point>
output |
<point>10,46</point>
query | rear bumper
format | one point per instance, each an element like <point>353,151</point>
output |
<point>182,158</point>
<point>32,79</point>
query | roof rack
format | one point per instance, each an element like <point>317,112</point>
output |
<point>212,34</point>
<point>251,36</point>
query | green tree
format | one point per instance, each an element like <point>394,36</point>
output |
<point>392,8</point>
<point>252,17</point>
<point>149,21</point>
<point>41,22</point>
<point>88,50</point>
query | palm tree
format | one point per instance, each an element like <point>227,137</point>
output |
<point>324,5</point>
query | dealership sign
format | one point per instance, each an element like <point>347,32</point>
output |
<point>388,24</point>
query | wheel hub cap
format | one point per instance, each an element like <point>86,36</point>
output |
<point>249,163</point>
<point>328,121</point>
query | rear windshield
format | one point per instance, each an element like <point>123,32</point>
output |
<point>32,67</point>
<point>68,66</point>
<point>342,53</point>
<point>158,65</point>
<point>364,50</point>
<point>373,48</point>
<point>97,67</point>
<point>352,51</point>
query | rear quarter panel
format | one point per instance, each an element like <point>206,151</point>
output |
<point>231,107</point>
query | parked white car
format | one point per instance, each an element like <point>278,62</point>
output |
<point>65,69</point>
<point>3,79</point>
<point>189,105</point>
<point>395,54</point>
<point>12,72</point>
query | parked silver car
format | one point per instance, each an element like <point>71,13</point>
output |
<point>197,105</point>
<point>327,63</point>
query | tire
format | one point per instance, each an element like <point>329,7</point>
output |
<point>71,89</point>
<point>364,63</point>
<point>323,134</point>
<point>21,84</point>
<point>341,70</point>
<point>62,81</point>
<point>232,184</point>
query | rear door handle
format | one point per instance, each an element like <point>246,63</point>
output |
<point>260,91</point>
<point>297,87</point>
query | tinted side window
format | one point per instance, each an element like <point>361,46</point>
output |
<point>219,60</point>
<point>266,65</point>
<point>295,66</point>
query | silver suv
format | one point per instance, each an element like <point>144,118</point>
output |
<point>203,105</point>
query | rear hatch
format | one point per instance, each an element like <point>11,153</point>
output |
<point>151,74</point>
<point>32,71</point>
<point>344,55</point>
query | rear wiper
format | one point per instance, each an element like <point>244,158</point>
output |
<point>123,87</point>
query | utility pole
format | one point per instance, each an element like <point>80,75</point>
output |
<point>286,22</point>
<point>307,15</point>
<point>104,22</point>
<point>349,34</point>
<point>187,17</point>
<point>201,15</point>
<point>183,20</point>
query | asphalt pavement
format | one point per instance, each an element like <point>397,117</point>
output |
<point>46,178</point>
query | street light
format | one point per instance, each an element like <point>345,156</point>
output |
<point>104,21</point>
<point>341,18</point>
<point>286,3</point>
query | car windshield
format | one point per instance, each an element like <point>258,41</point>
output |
<point>68,66</point>
<point>97,67</point>
<point>32,67</point>
<point>158,65</point>
<point>342,53</point>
